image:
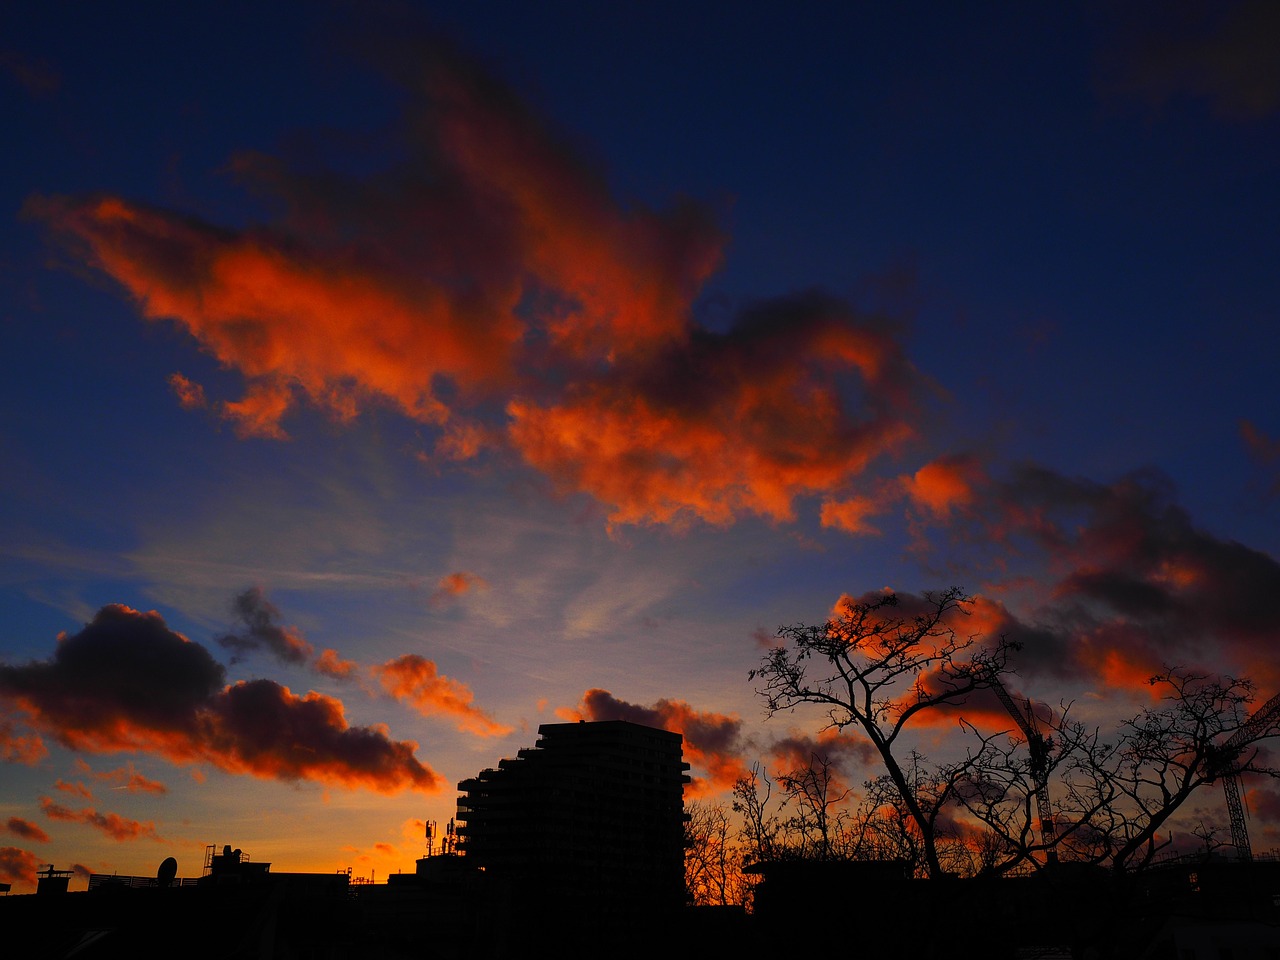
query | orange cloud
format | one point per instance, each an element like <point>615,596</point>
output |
<point>77,788</point>
<point>332,665</point>
<point>943,485</point>
<point>294,317</point>
<point>127,682</point>
<point>454,585</point>
<point>129,779</point>
<point>190,394</point>
<point>715,426</point>
<point>415,680</point>
<point>711,740</point>
<point>851,515</point>
<point>25,748</point>
<point>113,825</point>
<point>27,830</point>
<point>492,288</point>
<point>17,866</point>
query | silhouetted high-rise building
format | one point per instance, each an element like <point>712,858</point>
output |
<point>592,816</point>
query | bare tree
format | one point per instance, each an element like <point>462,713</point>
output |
<point>820,820</point>
<point>1163,756</point>
<point>763,829</point>
<point>1116,798</point>
<point>876,671</point>
<point>714,858</point>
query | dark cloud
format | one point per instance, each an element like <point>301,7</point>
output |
<point>1265,451</point>
<point>125,671</point>
<point>1224,52</point>
<point>1138,584</point>
<point>262,630</point>
<point>261,728</point>
<point>39,78</point>
<point>711,740</point>
<point>127,682</point>
<point>844,752</point>
<point>26,830</point>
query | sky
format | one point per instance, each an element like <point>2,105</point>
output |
<point>383,380</point>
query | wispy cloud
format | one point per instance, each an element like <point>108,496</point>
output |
<point>112,824</point>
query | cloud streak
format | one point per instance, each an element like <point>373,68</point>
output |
<point>116,827</point>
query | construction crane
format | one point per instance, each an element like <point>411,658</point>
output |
<point>1039,746</point>
<point>1224,764</point>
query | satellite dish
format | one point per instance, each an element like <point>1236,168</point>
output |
<point>168,870</point>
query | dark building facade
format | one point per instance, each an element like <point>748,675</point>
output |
<point>591,817</point>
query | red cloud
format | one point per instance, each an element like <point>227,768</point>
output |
<point>129,779</point>
<point>127,682</point>
<point>332,665</point>
<point>851,515</point>
<point>77,788</point>
<point>25,748</point>
<point>943,485</point>
<point>716,426</point>
<point>711,740</point>
<point>112,824</point>
<point>414,679</point>
<point>454,585</point>
<point>492,288</point>
<point>27,830</point>
<point>190,395</point>
<point>17,866</point>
